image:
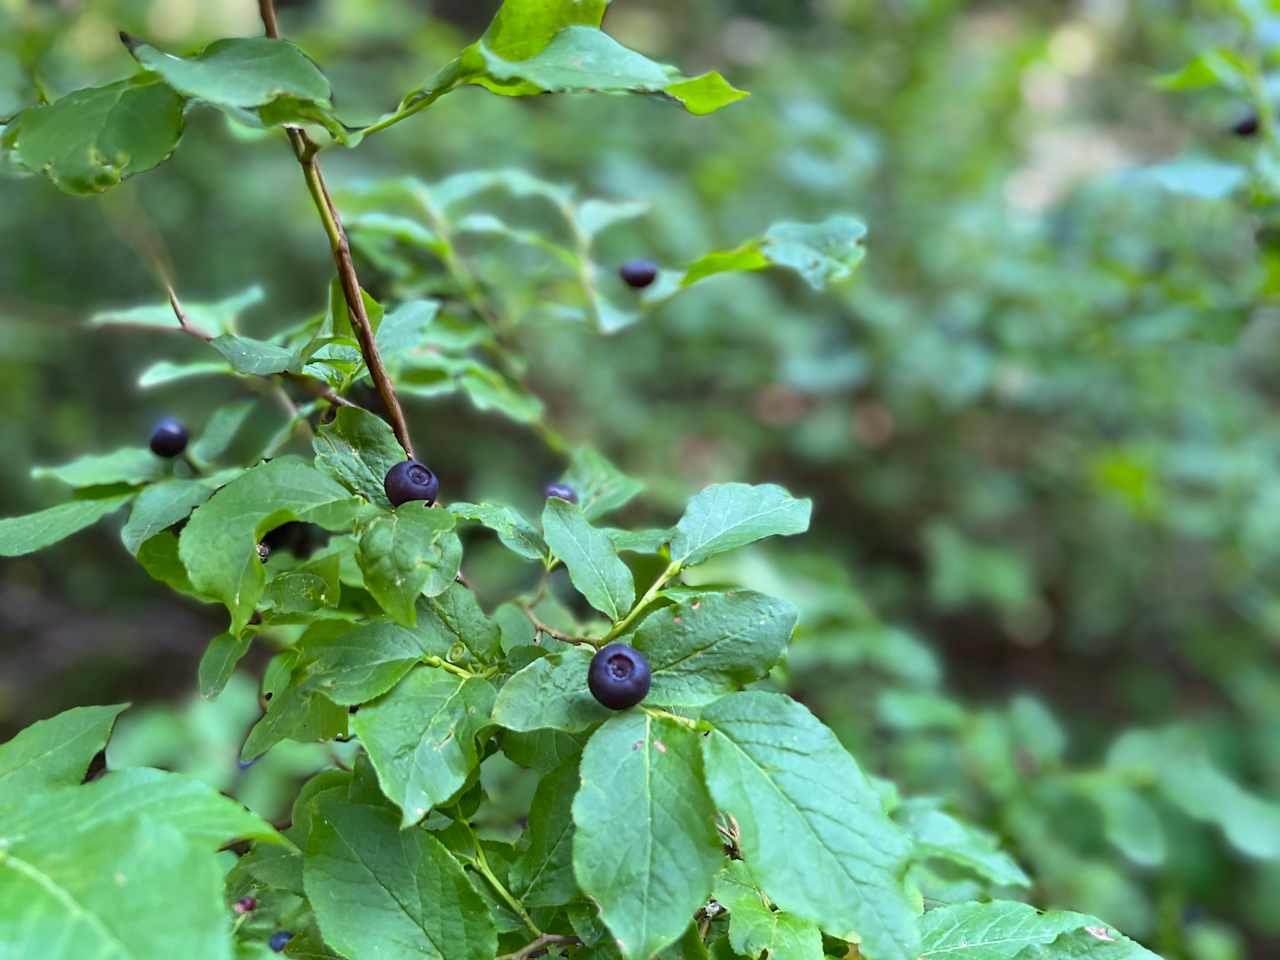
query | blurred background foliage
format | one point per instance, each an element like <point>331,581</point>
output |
<point>1040,425</point>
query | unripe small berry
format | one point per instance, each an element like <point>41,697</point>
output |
<point>245,905</point>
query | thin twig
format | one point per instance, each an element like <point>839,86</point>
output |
<point>183,320</point>
<point>544,941</point>
<point>318,389</point>
<point>305,150</point>
<point>542,627</point>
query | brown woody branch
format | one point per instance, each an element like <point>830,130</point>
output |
<point>544,941</point>
<point>305,150</point>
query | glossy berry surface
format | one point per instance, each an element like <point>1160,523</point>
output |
<point>279,939</point>
<point>411,480</point>
<point>562,491</point>
<point>619,676</point>
<point>638,273</point>
<point>169,438</point>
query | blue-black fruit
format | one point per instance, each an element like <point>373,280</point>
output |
<point>562,491</point>
<point>1246,126</point>
<point>411,480</point>
<point>619,676</point>
<point>279,939</point>
<point>638,273</point>
<point>169,438</point>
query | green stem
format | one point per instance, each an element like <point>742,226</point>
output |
<point>453,668</point>
<point>663,579</point>
<point>482,865</point>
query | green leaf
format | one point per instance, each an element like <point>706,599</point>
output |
<point>516,533</point>
<point>705,94</point>
<point>352,667</point>
<point>938,834</point>
<point>812,827</point>
<point>589,554</point>
<point>1130,822</point>
<point>164,372</point>
<point>716,643</point>
<point>305,589</point>
<point>202,814</point>
<point>219,544</point>
<point>57,751</point>
<point>215,318</point>
<point>489,390</point>
<point>159,507</point>
<point>405,328</point>
<point>92,140</point>
<point>645,848</point>
<point>731,515</point>
<point>550,693</point>
<point>543,874</point>
<point>421,737</point>
<point>403,554</point>
<point>60,907</point>
<point>1003,930</point>
<point>255,357</point>
<point>221,430</point>
<point>159,557</point>
<point>218,662</point>
<point>1177,763</point>
<point>822,253</point>
<point>294,711</point>
<point>377,891</point>
<point>131,465</point>
<point>252,78</point>
<point>358,449</point>
<point>755,928</point>
<point>601,487</point>
<point>35,531</point>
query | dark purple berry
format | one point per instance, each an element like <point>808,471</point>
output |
<point>562,491</point>
<point>279,939</point>
<point>638,273</point>
<point>619,676</point>
<point>411,480</point>
<point>245,905</point>
<point>169,438</point>
<point>1246,126</point>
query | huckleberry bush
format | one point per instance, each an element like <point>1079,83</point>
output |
<point>684,807</point>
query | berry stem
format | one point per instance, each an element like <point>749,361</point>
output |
<point>543,627</point>
<point>305,150</point>
<point>453,668</point>
<point>482,865</point>
<point>663,579</point>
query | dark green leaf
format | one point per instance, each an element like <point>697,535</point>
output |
<point>357,449</point>
<point>402,554</point>
<point>377,891</point>
<point>159,507</point>
<point>35,531</point>
<point>812,827</point>
<point>731,515</point>
<point>91,140</point>
<point>421,737</point>
<point>515,532</point>
<point>543,875</point>
<point>550,693</point>
<point>219,544</point>
<point>645,848</point>
<point>590,557</point>
<point>703,648</point>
